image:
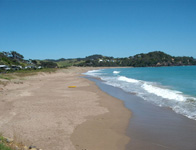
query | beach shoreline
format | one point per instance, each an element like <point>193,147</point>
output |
<point>106,131</point>
<point>42,110</point>
<point>152,127</point>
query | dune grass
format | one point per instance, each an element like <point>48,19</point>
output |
<point>23,73</point>
<point>6,76</point>
<point>4,147</point>
<point>2,143</point>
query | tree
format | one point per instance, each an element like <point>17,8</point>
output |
<point>48,64</point>
<point>34,62</point>
<point>16,56</point>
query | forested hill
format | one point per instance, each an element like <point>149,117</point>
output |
<point>152,59</point>
<point>14,61</point>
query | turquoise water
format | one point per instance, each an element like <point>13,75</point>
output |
<point>173,87</point>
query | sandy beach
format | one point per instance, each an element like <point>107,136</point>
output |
<point>43,111</point>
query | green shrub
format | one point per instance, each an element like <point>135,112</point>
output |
<point>3,147</point>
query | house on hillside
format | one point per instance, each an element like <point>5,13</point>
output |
<point>100,60</point>
<point>4,67</point>
<point>14,67</point>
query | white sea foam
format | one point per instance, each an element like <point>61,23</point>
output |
<point>116,72</point>
<point>152,92</point>
<point>164,93</point>
<point>93,73</point>
<point>158,95</point>
<point>122,78</point>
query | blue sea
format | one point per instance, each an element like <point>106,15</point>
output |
<point>172,87</point>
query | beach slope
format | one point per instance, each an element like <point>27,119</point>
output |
<point>44,111</point>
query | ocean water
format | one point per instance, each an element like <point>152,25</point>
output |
<point>172,87</point>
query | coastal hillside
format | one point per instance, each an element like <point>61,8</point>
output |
<point>11,58</point>
<point>15,61</point>
<point>151,59</point>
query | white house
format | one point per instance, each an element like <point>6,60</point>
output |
<point>4,67</point>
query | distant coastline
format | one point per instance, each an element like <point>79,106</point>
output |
<point>152,59</point>
<point>11,61</point>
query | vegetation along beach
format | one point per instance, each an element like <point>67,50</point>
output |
<point>97,75</point>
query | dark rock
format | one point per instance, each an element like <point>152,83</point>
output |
<point>31,147</point>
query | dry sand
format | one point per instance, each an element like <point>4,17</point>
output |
<point>44,112</point>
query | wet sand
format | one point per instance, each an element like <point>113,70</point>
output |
<point>107,131</point>
<point>152,127</point>
<point>41,110</point>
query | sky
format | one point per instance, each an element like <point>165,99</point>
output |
<point>53,29</point>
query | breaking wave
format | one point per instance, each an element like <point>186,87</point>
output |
<point>152,92</point>
<point>116,72</point>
